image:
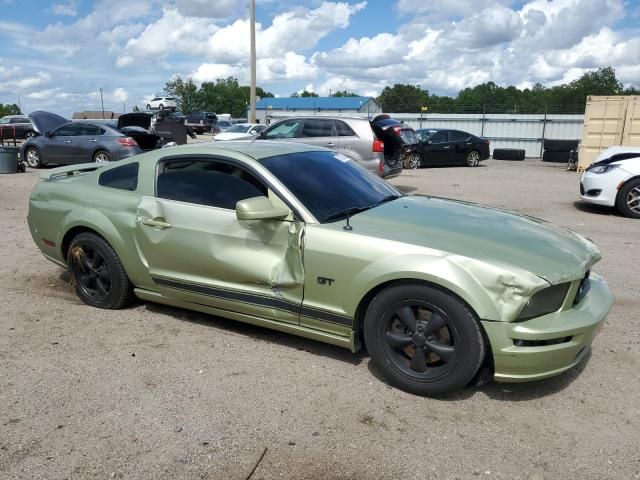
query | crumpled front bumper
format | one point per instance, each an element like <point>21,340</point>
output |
<point>572,329</point>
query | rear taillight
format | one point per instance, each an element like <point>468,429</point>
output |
<point>378,146</point>
<point>127,142</point>
<point>380,167</point>
<point>397,129</point>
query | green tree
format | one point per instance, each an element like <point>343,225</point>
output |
<point>344,93</point>
<point>9,109</point>
<point>304,93</point>
<point>225,95</point>
<point>185,92</point>
<point>403,98</point>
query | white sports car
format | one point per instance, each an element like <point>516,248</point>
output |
<point>613,180</point>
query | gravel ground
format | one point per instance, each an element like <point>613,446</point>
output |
<point>156,392</point>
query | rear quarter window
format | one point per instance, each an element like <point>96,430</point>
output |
<point>121,178</point>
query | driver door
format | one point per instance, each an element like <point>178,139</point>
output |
<point>198,251</point>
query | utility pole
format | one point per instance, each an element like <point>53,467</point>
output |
<point>252,90</point>
<point>102,103</point>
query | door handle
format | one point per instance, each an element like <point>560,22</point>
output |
<point>447,147</point>
<point>93,140</point>
<point>67,141</point>
<point>331,144</point>
<point>152,222</point>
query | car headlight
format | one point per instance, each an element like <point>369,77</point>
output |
<point>604,168</point>
<point>546,301</point>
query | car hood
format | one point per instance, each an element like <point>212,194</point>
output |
<point>46,121</point>
<point>480,232</point>
<point>135,119</point>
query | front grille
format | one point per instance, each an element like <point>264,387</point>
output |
<point>583,289</point>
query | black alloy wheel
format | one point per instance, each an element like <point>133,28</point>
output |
<point>98,274</point>
<point>424,340</point>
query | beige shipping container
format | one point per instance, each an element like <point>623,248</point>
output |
<point>608,122</point>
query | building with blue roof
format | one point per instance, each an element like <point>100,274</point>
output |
<point>270,109</point>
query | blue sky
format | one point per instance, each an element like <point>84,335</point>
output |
<point>57,55</point>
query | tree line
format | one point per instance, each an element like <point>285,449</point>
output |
<point>9,109</point>
<point>228,96</point>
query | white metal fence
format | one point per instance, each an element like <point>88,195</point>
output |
<point>522,131</point>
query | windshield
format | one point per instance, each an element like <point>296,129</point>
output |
<point>238,129</point>
<point>329,184</point>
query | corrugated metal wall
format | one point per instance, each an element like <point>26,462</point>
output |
<point>522,131</point>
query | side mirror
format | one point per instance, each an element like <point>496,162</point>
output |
<point>48,134</point>
<point>259,208</point>
<point>262,135</point>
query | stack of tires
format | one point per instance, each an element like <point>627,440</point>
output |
<point>559,150</point>
<point>508,154</point>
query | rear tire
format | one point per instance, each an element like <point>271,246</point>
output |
<point>101,156</point>
<point>628,201</point>
<point>148,106</point>
<point>99,277</point>
<point>423,339</point>
<point>32,157</point>
<point>473,158</point>
<point>161,107</point>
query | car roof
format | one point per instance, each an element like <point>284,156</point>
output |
<point>256,149</point>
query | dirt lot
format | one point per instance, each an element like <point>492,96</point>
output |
<point>156,392</point>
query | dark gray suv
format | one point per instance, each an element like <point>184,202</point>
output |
<point>351,136</point>
<point>20,124</point>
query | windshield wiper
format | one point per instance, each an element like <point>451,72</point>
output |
<point>348,212</point>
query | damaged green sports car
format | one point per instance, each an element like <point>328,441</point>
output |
<point>303,240</point>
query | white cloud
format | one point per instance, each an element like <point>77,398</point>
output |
<point>65,9</point>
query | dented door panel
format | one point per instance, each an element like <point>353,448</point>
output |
<point>206,255</point>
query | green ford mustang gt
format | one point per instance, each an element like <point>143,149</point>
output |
<point>302,240</point>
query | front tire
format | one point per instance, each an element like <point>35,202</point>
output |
<point>148,106</point>
<point>473,158</point>
<point>628,201</point>
<point>29,134</point>
<point>101,156</point>
<point>33,158</point>
<point>161,107</point>
<point>424,340</point>
<point>99,277</point>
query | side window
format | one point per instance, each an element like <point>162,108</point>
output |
<point>19,120</point>
<point>457,136</point>
<point>207,182</point>
<point>122,178</point>
<point>286,129</point>
<point>90,129</point>
<point>69,130</point>
<point>343,129</point>
<point>318,128</point>
<point>439,137</point>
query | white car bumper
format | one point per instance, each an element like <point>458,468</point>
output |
<point>602,188</point>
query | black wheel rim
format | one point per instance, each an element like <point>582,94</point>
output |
<point>91,271</point>
<point>420,340</point>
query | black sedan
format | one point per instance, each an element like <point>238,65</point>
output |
<point>448,147</point>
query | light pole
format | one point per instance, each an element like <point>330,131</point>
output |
<point>252,90</point>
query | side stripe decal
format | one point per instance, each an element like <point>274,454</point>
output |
<point>255,299</point>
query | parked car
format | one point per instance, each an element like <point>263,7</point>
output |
<point>160,103</point>
<point>163,124</point>
<point>201,122</point>
<point>222,125</point>
<point>240,131</point>
<point>16,125</point>
<point>301,239</point>
<point>613,180</point>
<point>146,139</point>
<point>351,136</point>
<point>63,142</point>
<point>440,146</point>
